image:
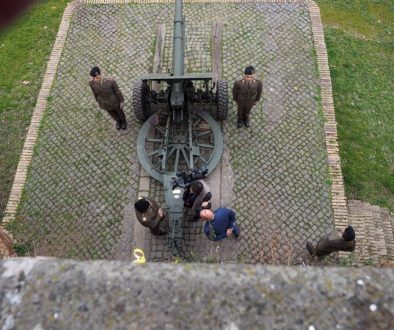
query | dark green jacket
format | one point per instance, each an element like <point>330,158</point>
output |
<point>326,246</point>
<point>107,93</point>
<point>247,91</point>
<point>151,217</point>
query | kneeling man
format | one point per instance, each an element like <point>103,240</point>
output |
<point>219,224</point>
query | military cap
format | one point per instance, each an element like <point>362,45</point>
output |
<point>249,70</point>
<point>95,71</point>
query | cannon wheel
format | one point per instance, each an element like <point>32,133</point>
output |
<point>222,100</point>
<point>169,147</point>
<point>139,104</point>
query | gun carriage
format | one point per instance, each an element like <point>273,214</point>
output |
<point>180,140</point>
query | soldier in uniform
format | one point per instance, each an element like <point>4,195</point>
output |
<point>246,93</point>
<point>326,246</point>
<point>109,97</point>
<point>151,215</point>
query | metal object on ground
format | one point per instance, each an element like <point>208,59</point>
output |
<point>181,134</point>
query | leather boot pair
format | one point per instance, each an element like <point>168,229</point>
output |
<point>242,122</point>
<point>121,124</point>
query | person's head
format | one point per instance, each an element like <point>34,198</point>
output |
<point>95,73</point>
<point>196,187</point>
<point>141,205</point>
<point>349,234</point>
<point>249,72</point>
<point>206,215</point>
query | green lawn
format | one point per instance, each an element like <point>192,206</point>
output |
<point>359,37</point>
<point>24,50</point>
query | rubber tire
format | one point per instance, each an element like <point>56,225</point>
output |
<point>222,100</point>
<point>139,104</point>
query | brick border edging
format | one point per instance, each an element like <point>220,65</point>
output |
<point>338,197</point>
<point>41,104</point>
<point>339,202</point>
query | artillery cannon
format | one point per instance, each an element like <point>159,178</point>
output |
<point>177,135</point>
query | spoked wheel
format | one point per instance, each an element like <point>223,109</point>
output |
<point>140,100</point>
<point>222,100</point>
<point>170,147</point>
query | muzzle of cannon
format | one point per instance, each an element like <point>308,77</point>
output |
<point>179,131</point>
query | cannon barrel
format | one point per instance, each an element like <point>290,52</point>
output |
<point>177,98</point>
<point>179,40</point>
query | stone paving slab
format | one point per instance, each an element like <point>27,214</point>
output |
<point>84,175</point>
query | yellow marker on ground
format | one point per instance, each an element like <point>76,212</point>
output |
<point>140,256</point>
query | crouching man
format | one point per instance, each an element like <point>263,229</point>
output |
<point>219,224</point>
<point>326,246</point>
<point>196,197</point>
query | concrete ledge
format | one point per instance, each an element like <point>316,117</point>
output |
<point>45,293</point>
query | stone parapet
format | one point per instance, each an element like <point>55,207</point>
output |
<point>45,293</point>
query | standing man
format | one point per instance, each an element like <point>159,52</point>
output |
<point>246,93</point>
<point>109,97</point>
<point>219,224</point>
<point>326,246</point>
<point>151,215</point>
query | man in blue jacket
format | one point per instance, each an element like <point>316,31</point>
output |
<point>219,224</point>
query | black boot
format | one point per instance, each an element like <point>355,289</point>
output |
<point>310,248</point>
<point>124,124</point>
<point>240,123</point>
<point>247,122</point>
<point>118,124</point>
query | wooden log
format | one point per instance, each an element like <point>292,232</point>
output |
<point>160,37</point>
<point>217,28</point>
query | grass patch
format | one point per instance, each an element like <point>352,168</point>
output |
<point>360,18</point>
<point>360,50</point>
<point>24,50</point>
<point>21,250</point>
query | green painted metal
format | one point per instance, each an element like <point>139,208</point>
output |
<point>174,78</point>
<point>174,212</point>
<point>183,139</point>
<point>179,41</point>
<point>177,99</point>
<point>157,144</point>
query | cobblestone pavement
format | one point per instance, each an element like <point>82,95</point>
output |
<point>84,173</point>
